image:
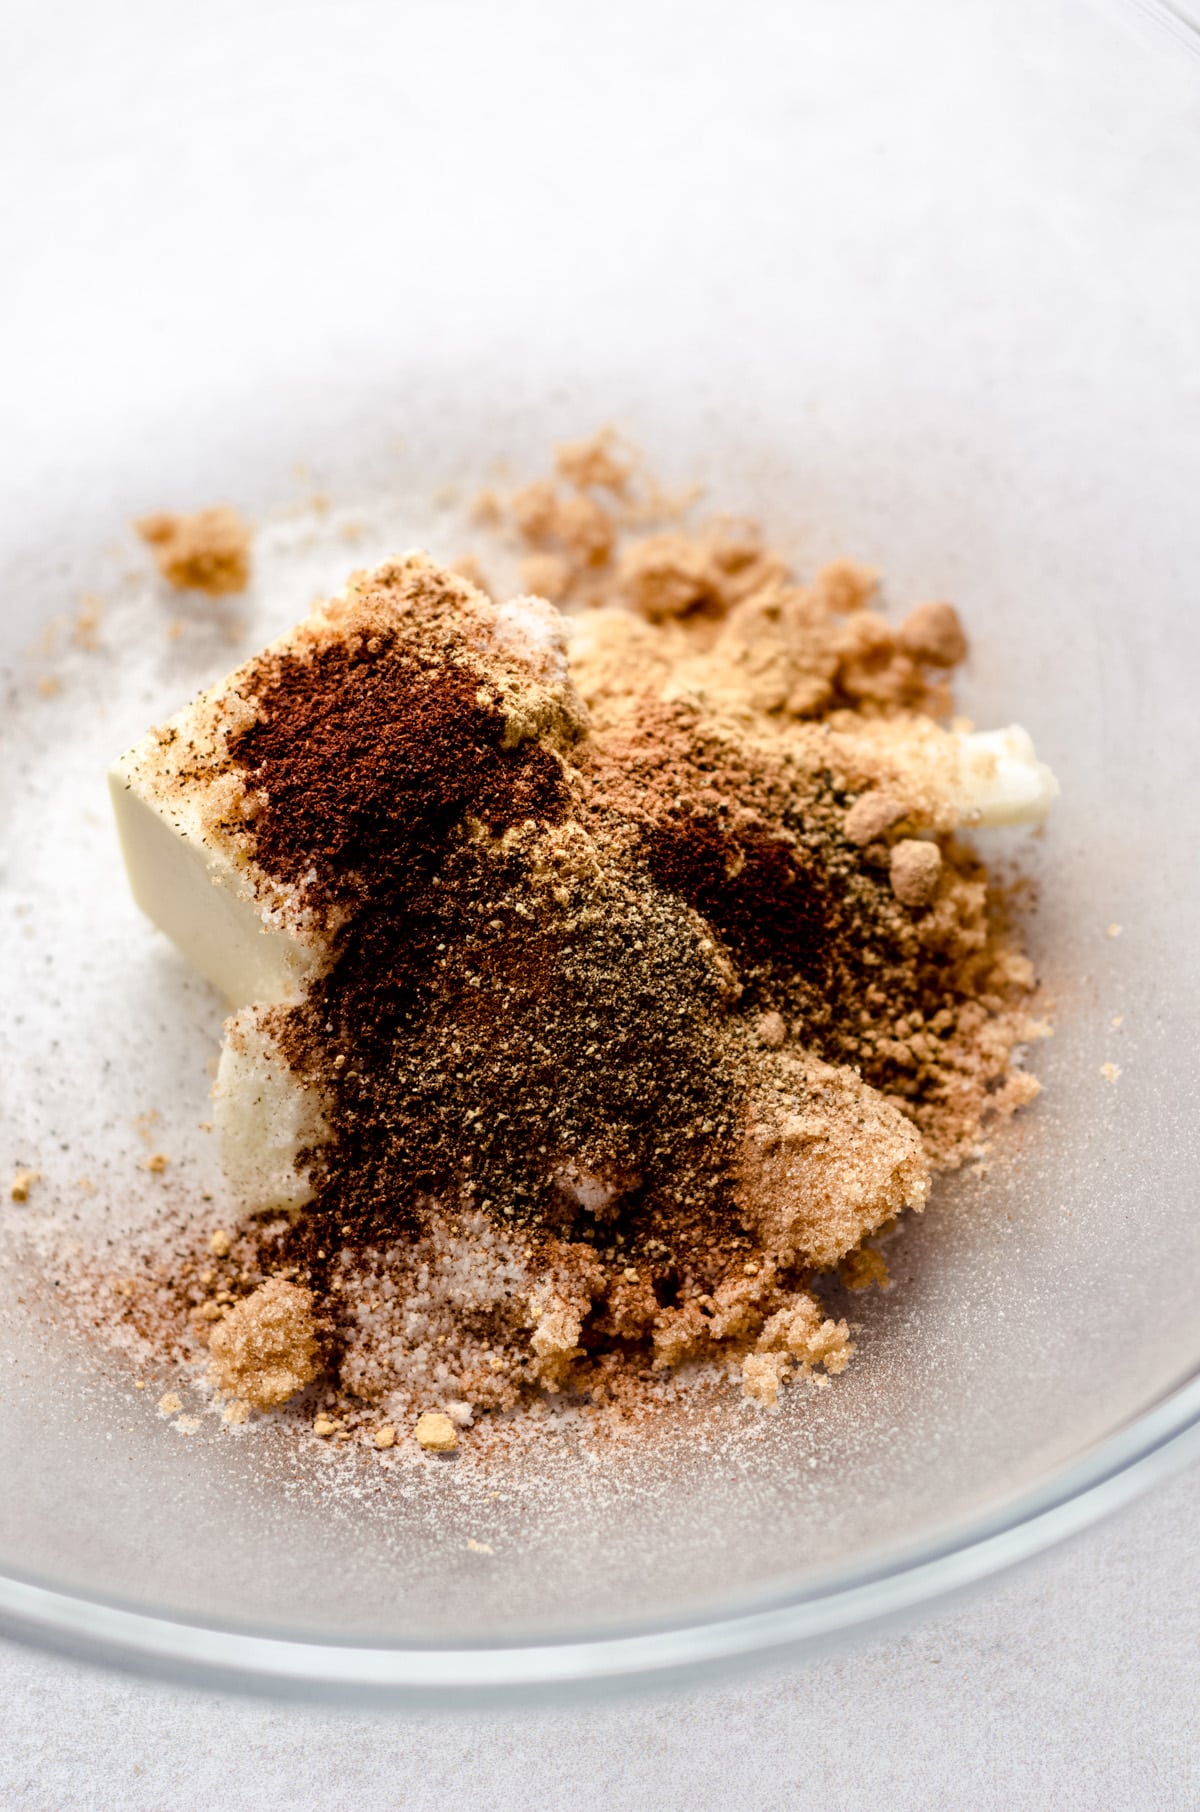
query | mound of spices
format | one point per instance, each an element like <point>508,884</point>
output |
<point>638,971</point>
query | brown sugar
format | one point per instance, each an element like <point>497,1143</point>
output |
<point>933,633</point>
<point>915,868</point>
<point>864,1269</point>
<point>435,1432</point>
<point>266,1348</point>
<point>872,816</point>
<point>824,1161</point>
<point>594,463</point>
<point>547,575</point>
<point>207,551</point>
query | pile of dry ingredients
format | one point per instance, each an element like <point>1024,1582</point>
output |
<point>208,551</point>
<point>643,1015</point>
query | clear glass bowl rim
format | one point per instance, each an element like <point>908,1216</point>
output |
<point>789,1624</point>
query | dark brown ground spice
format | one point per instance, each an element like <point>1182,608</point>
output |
<point>369,756</point>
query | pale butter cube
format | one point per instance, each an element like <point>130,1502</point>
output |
<point>200,899</point>
<point>265,1116</point>
<point>228,920</point>
<point>1000,779</point>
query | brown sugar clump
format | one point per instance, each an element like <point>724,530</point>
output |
<point>772,1030</point>
<point>266,1348</point>
<point>846,585</point>
<point>916,868</point>
<point>796,1336</point>
<point>825,1161</point>
<point>677,575</point>
<point>594,463</point>
<point>208,551</point>
<point>933,633</point>
<point>872,816</point>
<point>547,575</point>
<point>436,1433</point>
<point>467,567</point>
<point>86,631</point>
<point>864,1269</point>
<point>578,524</point>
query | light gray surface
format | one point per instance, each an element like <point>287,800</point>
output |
<point>1070,1685</point>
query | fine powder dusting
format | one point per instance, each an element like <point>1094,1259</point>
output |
<point>659,983</point>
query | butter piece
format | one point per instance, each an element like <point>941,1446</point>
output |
<point>197,893</point>
<point>265,1115</point>
<point>1000,779</point>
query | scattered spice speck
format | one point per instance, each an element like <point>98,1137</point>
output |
<point>87,623</point>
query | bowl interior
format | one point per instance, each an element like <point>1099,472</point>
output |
<point>931,305</point>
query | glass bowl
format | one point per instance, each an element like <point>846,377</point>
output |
<point>915,284</point>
